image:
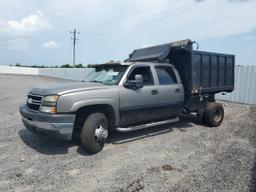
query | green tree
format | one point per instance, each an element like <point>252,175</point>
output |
<point>66,66</point>
<point>79,65</point>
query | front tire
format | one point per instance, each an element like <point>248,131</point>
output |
<point>94,133</point>
<point>213,114</point>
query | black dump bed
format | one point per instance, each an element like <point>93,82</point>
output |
<point>201,72</point>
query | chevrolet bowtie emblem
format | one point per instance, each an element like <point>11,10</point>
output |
<point>30,101</point>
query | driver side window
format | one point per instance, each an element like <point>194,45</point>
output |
<point>145,72</point>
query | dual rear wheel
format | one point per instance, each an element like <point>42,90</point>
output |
<point>212,114</point>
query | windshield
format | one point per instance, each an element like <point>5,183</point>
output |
<point>107,74</point>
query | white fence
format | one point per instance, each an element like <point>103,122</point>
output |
<point>18,70</point>
<point>245,79</point>
<point>65,73</point>
<point>78,74</point>
<point>245,86</point>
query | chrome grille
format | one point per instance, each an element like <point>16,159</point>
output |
<point>34,101</point>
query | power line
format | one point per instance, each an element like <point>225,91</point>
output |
<point>112,27</point>
<point>106,23</point>
<point>74,39</point>
<point>115,26</point>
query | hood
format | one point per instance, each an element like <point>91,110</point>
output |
<point>64,88</point>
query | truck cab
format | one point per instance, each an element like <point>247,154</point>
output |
<point>150,91</point>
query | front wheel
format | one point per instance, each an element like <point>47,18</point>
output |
<point>94,132</point>
<point>213,114</point>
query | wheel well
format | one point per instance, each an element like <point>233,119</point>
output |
<point>83,112</point>
<point>205,100</point>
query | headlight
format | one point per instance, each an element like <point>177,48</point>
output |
<point>51,98</point>
<point>49,104</point>
<point>47,109</point>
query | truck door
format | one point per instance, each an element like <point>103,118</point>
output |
<point>137,105</point>
<point>170,91</point>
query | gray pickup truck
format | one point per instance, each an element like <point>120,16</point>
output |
<point>154,86</point>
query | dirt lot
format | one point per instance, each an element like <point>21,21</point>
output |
<point>179,157</point>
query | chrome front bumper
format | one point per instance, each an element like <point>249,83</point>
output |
<point>57,125</point>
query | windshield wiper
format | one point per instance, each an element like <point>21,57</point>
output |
<point>95,81</point>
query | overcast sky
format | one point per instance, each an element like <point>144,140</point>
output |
<point>37,32</point>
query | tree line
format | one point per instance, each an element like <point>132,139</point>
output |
<point>80,65</point>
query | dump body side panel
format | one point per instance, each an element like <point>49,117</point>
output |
<point>212,72</point>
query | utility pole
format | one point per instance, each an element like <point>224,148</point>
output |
<point>74,39</point>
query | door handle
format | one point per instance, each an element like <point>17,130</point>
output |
<point>177,90</point>
<point>154,92</point>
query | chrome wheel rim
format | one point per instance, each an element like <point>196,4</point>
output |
<point>101,134</point>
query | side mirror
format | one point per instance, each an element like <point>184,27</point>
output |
<point>135,84</point>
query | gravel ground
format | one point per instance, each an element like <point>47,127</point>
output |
<point>178,157</point>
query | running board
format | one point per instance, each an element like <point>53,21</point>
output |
<point>137,127</point>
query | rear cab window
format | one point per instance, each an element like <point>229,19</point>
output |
<point>165,75</point>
